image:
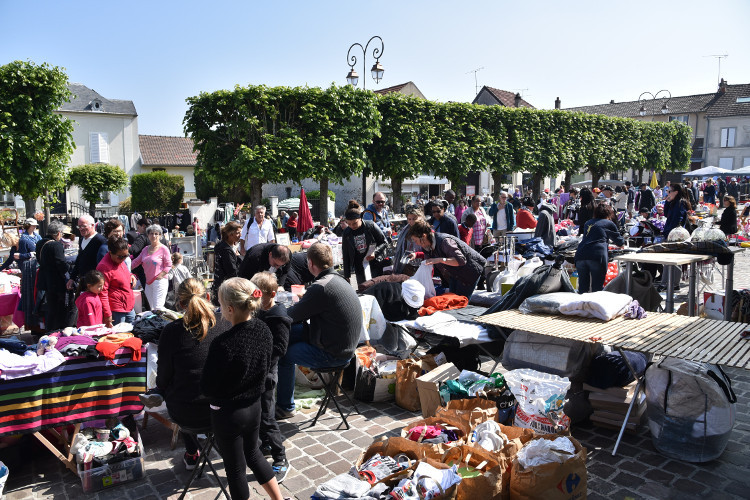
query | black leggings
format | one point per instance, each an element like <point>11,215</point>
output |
<point>236,433</point>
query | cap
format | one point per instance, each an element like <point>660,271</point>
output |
<point>31,222</point>
<point>67,230</point>
<point>412,292</point>
<point>546,190</point>
<point>734,179</point>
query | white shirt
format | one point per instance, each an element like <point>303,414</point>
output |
<point>502,218</point>
<point>254,234</point>
<point>85,242</point>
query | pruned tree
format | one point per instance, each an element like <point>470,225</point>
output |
<point>95,179</point>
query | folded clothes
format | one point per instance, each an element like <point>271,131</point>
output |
<point>342,486</point>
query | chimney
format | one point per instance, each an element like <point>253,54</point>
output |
<point>517,100</point>
<point>557,103</point>
<point>612,101</point>
<point>722,86</point>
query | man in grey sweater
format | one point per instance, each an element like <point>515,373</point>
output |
<point>335,322</point>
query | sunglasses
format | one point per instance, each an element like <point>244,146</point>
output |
<point>120,256</point>
<point>380,202</point>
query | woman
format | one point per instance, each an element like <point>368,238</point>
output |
<point>183,348</point>
<point>442,222</point>
<point>52,278</point>
<point>480,227</point>
<point>586,212</point>
<point>460,209</point>
<point>117,295</point>
<point>404,245</point>
<point>226,257</point>
<point>27,241</point>
<point>157,262</point>
<point>728,221</point>
<point>11,240</point>
<point>454,259</point>
<point>525,217</point>
<point>709,192</point>
<point>676,208</point>
<point>363,241</point>
<point>112,228</point>
<point>233,379</point>
<point>570,210</point>
<point>291,225</point>
<point>591,256</point>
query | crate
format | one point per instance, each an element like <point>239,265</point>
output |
<point>107,476</point>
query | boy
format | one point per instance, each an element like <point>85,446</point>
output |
<point>466,228</point>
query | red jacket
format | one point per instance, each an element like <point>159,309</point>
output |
<point>525,219</point>
<point>117,294</point>
<point>465,233</point>
<point>89,309</point>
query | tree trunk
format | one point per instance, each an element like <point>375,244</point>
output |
<point>257,192</point>
<point>92,209</point>
<point>396,187</point>
<point>29,207</point>
<point>323,207</point>
<point>595,178</point>
<point>640,176</point>
<point>46,208</point>
<point>536,185</point>
<point>497,180</point>
<point>568,179</point>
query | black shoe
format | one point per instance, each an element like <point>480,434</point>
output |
<point>151,400</point>
<point>280,469</point>
<point>282,414</point>
<point>266,450</point>
<point>191,461</point>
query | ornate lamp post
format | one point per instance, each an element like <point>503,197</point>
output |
<point>377,69</point>
<point>654,97</point>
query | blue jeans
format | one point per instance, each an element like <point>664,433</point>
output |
<point>591,274</point>
<point>299,352</point>
<point>123,317</point>
<point>461,289</point>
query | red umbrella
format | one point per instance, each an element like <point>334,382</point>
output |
<point>304,217</point>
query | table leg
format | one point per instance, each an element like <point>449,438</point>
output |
<point>636,393</point>
<point>728,289</point>
<point>691,289</point>
<point>67,461</point>
<point>628,277</point>
<point>670,288</point>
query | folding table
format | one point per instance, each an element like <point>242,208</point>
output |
<point>691,338</point>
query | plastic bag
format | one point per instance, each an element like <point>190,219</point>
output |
<point>529,266</point>
<point>547,303</point>
<point>544,451</point>
<point>541,397</point>
<point>424,276</point>
<point>373,321</point>
<point>4,472</point>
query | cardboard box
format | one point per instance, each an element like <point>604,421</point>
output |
<point>428,387</point>
<point>106,476</point>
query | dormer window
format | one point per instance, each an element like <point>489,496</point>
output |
<point>96,105</point>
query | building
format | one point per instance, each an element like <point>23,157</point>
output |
<point>173,155</point>
<point>495,97</point>
<point>407,88</point>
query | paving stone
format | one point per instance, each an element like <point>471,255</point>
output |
<point>629,480</point>
<point>634,467</point>
<point>659,476</point>
<point>689,487</point>
<point>680,468</point>
<point>654,490</point>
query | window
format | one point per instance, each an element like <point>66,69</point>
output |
<point>740,100</point>
<point>726,163</point>
<point>158,169</point>
<point>99,147</point>
<point>288,192</point>
<point>681,118</point>
<point>7,200</point>
<point>104,198</point>
<point>746,161</point>
<point>727,137</point>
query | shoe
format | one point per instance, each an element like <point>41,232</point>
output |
<point>266,450</point>
<point>152,400</point>
<point>191,461</point>
<point>280,469</point>
<point>282,414</point>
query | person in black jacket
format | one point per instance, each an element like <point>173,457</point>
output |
<point>53,269</point>
<point>279,322</point>
<point>226,257</point>
<point>183,348</point>
<point>363,241</point>
<point>234,378</point>
<point>591,256</point>
<point>298,273</point>
<point>728,221</point>
<point>586,209</point>
<point>88,248</point>
<point>266,257</point>
<point>441,221</point>
<point>398,301</point>
<point>645,198</point>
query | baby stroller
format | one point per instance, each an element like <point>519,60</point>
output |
<point>645,232</point>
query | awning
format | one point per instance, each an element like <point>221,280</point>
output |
<point>426,179</point>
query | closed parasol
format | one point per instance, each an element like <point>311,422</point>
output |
<point>304,219</point>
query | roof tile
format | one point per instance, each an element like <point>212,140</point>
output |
<point>505,97</point>
<point>163,151</point>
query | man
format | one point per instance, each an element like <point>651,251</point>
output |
<point>298,273</point>
<point>53,269</point>
<point>377,213</point>
<point>88,247</point>
<point>450,197</point>
<point>266,257</point>
<point>608,192</point>
<point>631,196</point>
<point>733,189</point>
<point>722,188</point>
<point>256,230</point>
<point>335,322</point>
<point>398,301</point>
<point>645,198</point>
<point>503,216</point>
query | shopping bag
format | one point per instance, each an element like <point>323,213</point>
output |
<point>541,397</point>
<point>3,476</point>
<point>305,377</point>
<point>469,412</point>
<point>553,481</point>
<point>370,385</point>
<point>424,276</point>
<point>407,371</point>
<point>484,474</point>
<point>439,422</point>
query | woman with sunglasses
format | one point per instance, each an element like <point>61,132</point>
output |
<point>676,208</point>
<point>117,295</point>
<point>441,221</point>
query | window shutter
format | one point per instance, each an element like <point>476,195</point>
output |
<point>730,137</point>
<point>724,135</point>
<point>99,147</point>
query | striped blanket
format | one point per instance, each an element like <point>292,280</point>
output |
<point>78,390</point>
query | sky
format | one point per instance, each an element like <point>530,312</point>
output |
<point>158,53</point>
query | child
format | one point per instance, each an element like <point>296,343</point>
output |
<point>89,303</point>
<point>178,273</point>
<point>466,228</point>
<point>275,316</point>
<point>291,225</point>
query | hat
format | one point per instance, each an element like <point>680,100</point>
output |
<point>546,190</point>
<point>734,179</point>
<point>31,222</point>
<point>412,292</point>
<point>597,190</point>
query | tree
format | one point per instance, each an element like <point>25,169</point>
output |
<point>95,179</point>
<point>35,142</point>
<point>156,192</point>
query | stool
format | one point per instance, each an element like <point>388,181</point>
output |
<point>205,452</point>
<point>332,387</point>
<point>166,422</point>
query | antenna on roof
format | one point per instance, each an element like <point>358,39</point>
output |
<point>719,57</point>
<point>521,91</point>
<point>475,71</point>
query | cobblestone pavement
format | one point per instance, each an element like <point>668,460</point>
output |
<point>317,454</point>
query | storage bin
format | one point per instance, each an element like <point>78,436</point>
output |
<point>107,476</point>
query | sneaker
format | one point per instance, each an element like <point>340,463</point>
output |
<point>282,414</point>
<point>152,400</point>
<point>266,450</point>
<point>191,460</point>
<point>280,469</point>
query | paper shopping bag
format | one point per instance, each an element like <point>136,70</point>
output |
<point>407,371</point>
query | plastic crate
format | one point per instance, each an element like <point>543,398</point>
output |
<point>107,476</point>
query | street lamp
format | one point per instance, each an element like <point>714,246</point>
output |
<point>654,97</point>
<point>352,78</point>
